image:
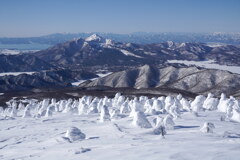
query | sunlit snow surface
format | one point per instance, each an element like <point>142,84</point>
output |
<point>15,73</point>
<point>117,137</point>
<point>208,64</point>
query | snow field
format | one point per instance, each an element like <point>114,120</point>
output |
<point>121,128</point>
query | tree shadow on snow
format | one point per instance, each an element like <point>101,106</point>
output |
<point>183,127</point>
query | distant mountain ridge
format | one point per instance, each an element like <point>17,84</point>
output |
<point>96,50</point>
<point>43,79</point>
<point>137,37</point>
<point>23,63</point>
<point>191,79</point>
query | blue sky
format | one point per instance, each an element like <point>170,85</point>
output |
<point>20,18</point>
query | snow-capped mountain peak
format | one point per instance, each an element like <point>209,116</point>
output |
<point>94,37</point>
<point>109,42</point>
<point>170,43</point>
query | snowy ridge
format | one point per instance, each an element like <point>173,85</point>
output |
<point>127,53</point>
<point>16,73</point>
<point>89,127</point>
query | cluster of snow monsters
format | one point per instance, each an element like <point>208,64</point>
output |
<point>167,108</point>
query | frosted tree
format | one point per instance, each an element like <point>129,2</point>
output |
<point>74,134</point>
<point>179,97</point>
<point>124,108</point>
<point>21,106</point>
<point>160,130</point>
<point>168,122</point>
<point>185,104</point>
<point>62,105</point>
<point>158,121</point>
<point>104,115</point>
<point>14,110</point>
<point>82,108</point>
<point>50,111</point>
<point>169,101</point>
<point>114,112</point>
<point>27,112</point>
<point>148,106</point>
<point>68,108</point>
<point>135,107</point>
<point>223,103</point>
<point>157,105</point>
<point>210,103</point>
<point>93,107</point>
<point>207,127</point>
<point>197,104</point>
<point>140,120</point>
<point>236,115</point>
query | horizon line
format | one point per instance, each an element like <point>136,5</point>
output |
<point>130,33</point>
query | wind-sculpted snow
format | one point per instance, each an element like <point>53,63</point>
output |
<point>121,128</point>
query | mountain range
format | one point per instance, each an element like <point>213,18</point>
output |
<point>95,50</point>
<point>98,51</point>
<point>136,66</point>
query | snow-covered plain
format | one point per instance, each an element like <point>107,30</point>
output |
<point>15,51</point>
<point>9,52</point>
<point>208,64</point>
<point>120,128</point>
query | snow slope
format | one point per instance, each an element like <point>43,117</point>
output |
<point>118,138</point>
<point>100,76</point>
<point>127,53</point>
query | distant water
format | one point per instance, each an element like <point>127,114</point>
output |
<point>33,46</point>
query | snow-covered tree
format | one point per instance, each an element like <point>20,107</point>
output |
<point>160,130</point>
<point>27,112</point>
<point>197,104</point>
<point>104,115</point>
<point>168,122</point>
<point>140,120</point>
<point>210,103</point>
<point>207,127</point>
<point>74,134</point>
